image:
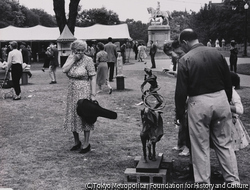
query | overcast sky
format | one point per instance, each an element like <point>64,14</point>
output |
<point>132,9</point>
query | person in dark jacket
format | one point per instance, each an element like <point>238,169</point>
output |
<point>152,52</point>
<point>135,49</point>
<point>25,53</point>
<point>233,56</point>
<point>123,52</point>
<point>203,80</point>
<point>53,54</point>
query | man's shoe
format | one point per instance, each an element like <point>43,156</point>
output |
<point>53,82</point>
<point>43,70</point>
<point>185,152</point>
<point>76,147</point>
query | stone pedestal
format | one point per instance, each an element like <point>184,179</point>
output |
<point>153,172</point>
<point>150,166</point>
<point>158,34</point>
<point>120,85</point>
<point>25,78</point>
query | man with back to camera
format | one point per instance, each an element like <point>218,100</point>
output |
<point>110,48</point>
<point>204,77</point>
<point>152,52</point>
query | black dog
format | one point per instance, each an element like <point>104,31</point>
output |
<point>152,131</point>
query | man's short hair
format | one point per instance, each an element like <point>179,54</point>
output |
<point>110,39</point>
<point>23,43</point>
<point>100,45</point>
<point>175,44</point>
<point>187,35</point>
<point>233,43</point>
<point>14,44</point>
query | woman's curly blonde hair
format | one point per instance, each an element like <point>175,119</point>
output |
<point>79,44</point>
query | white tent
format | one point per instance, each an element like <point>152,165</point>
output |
<point>99,31</point>
<point>36,33</point>
<point>41,33</point>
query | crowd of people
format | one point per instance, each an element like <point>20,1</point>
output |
<point>233,52</point>
<point>140,52</point>
<point>207,105</point>
<point>206,102</point>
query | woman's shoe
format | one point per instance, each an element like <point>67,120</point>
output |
<point>76,147</point>
<point>85,150</point>
<point>110,91</point>
<point>17,97</point>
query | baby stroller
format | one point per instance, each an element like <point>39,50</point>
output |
<point>6,83</point>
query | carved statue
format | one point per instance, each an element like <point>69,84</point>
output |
<point>158,16</point>
<point>152,123</point>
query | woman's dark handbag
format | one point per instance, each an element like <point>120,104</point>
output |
<point>7,84</point>
<point>89,111</point>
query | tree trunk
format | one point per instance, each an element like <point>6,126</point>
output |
<point>59,9</point>
<point>73,10</point>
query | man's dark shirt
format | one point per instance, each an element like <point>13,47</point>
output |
<point>25,55</point>
<point>202,70</point>
<point>153,50</point>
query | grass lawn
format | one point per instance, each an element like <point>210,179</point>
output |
<point>243,69</point>
<point>35,149</point>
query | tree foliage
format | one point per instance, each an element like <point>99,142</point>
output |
<point>45,19</point>
<point>137,30</point>
<point>225,21</point>
<point>11,13</point>
<point>97,16</point>
<point>31,19</point>
<point>180,20</point>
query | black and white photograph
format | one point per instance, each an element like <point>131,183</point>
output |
<point>124,94</point>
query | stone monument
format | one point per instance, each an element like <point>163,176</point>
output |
<point>157,32</point>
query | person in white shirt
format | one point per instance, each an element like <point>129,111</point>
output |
<point>15,60</point>
<point>239,134</point>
